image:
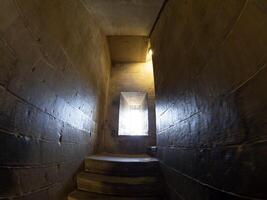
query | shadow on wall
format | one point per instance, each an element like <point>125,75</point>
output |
<point>210,78</point>
<point>49,95</point>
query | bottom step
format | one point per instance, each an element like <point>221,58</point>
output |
<point>80,195</point>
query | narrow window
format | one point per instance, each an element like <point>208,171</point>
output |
<point>133,114</point>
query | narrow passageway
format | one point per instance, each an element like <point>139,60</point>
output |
<point>133,99</point>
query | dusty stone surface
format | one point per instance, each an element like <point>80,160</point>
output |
<point>113,176</point>
<point>211,108</point>
<point>122,165</point>
<point>135,77</point>
<point>127,49</point>
<point>123,17</point>
<point>54,71</point>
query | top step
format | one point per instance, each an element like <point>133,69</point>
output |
<point>123,165</point>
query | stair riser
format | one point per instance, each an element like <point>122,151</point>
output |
<point>81,195</point>
<point>109,177</point>
<point>119,189</point>
<point>121,168</point>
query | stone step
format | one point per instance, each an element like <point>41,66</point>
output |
<point>121,186</point>
<point>81,195</point>
<point>125,165</point>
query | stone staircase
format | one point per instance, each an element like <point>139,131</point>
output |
<point>118,177</point>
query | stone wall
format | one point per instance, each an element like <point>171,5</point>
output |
<point>131,77</point>
<point>54,72</point>
<point>211,100</point>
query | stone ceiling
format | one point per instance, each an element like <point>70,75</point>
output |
<point>125,17</point>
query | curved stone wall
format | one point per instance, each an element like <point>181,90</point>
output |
<point>210,81</point>
<point>54,72</point>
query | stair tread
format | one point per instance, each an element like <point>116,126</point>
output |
<point>81,195</point>
<point>129,180</point>
<point>134,176</point>
<point>123,158</point>
<point>122,165</point>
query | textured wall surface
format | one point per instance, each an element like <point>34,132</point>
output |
<point>54,69</point>
<point>128,49</point>
<point>125,17</point>
<point>211,100</point>
<point>136,77</point>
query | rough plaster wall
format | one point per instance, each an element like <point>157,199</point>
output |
<point>211,100</point>
<point>135,77</point>
<point>54,69</point>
